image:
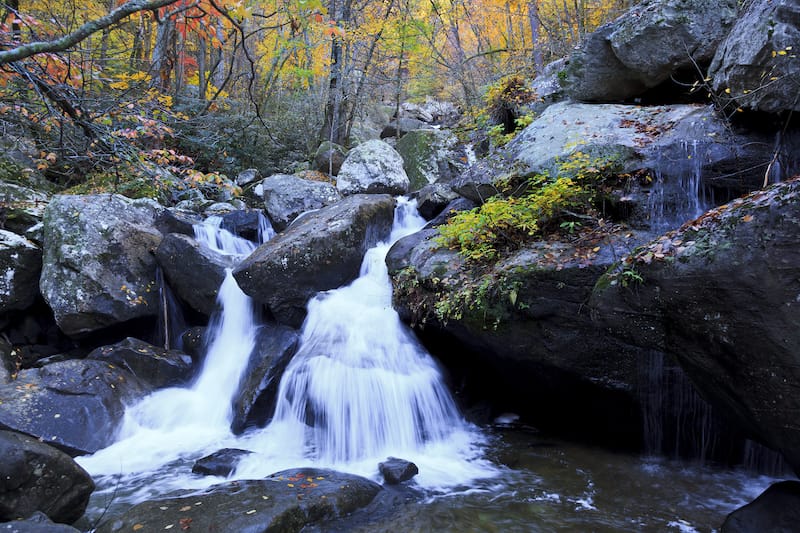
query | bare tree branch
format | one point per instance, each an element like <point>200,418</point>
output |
<point>71,39</point>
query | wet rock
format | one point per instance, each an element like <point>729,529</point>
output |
<point>329,158</point>
<point>757,65</point>
<point>37,477</point>
<point>20,264</point>
<point>645,46</point>
<point>321,251</point>
<point>396,470</point>
<point>21,208</point>
<point>99,269</point>
<point>193,342</point>
<point>246,223</point>
<point>776,510</point>
<point>373,167</point>
<point>197,285</point>
<point>36,523</point>
<point>432,199</point>
<point>285,501</point>
<point>173,220</point>
<point>153,365</point>
<point>286,197</point>
<point>220,463</point>
<point>721,295</point>
<point>74,405</point>
<point>430,156</point>
<point>255,402</point>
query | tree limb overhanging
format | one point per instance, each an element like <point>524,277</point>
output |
<point>91,27</point>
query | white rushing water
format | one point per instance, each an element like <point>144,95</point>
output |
<point>360,388</point>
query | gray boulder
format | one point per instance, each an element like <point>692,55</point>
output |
<point>255,403</point>
<point>74,405</point>
<point>321,251</point>
<point>433,198</point>
<point>21,263</point>
<point>373,167</point>
<point>329,158</point>
<point>248,176</point>
<point>645,46</point>
<point>220,463</point>
<point>721,295</point>
<point>21,207</point>
<point>286,197</point>
<point>37,477</point>
<point>757,65</point>
<point>776,510</point>
<point>198,285</point>
<point>285,501</point>
<point>401,126</point>
<point>152,365</point>
<point>99,268</point>
<point>396,470</point>
<point>430,156</point>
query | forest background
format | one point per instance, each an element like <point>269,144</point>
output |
<point>101,88</point>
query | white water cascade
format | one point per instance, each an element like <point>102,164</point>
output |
<point>360,388</point>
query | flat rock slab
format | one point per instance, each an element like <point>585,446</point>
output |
<point>286,501</point>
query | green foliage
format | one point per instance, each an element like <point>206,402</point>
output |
<point>506,222</point>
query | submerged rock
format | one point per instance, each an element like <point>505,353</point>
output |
<point>776,510</point>
<point>37,477</point>
<point>396,470</point>
<point>74,405</point>
<point>220,463</point>
<point>99,269</point>
<point>321,251</point>
<point>286,501</point>
<point>372,167</point>
<point>151,364</point>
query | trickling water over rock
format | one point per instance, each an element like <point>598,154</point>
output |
<point>721,294</point>
<point>286,501</point>
<point>74,405</point>
<point>321,251</point>
<point>38,477</point>
<point>99,269</point>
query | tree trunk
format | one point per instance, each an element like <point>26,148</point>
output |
<point>533,20</point>
<point>202,83</point>
<point>164,54</point>
<point>334,128</point>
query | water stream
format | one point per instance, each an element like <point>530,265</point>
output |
<point>362,388</point>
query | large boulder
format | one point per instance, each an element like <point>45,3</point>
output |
<point>776,510</point>
<point>99,268</point>
<point>198,284</point>
<point>430,156</point>
<point>255,402</point>
<point>373,167</point>
<point>645,46</point>
<point>522,328</point>
<point>721,295</point>
<point>321,251</point>
<point>152,365</point>
<point>21,263</point>
<point>757,65</point>
<point>37,477</point>
<point>74,405</point>
<point>286,197</point>
<point>286,501</point>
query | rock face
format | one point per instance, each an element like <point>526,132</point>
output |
<point>152,365</point>
<point>322,251</point>
<point>74,405</point>
<point>646,45</point>
<point>198,286</point>
<point>758,61</point>
<point>99,267</point>
<point>255,402</point>
<point>776,510</point>
<point>721,294</point>
<point>20,264</point>
<point>373,167</point>
<point>430,156</point>
<point>286,197</point>
<point>286,501</point>
<point>37,477</point>
<point>522,324</point>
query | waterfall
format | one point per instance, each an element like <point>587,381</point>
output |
<point>359,389</point>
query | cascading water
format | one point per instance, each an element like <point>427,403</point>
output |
<point>359,389</point>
